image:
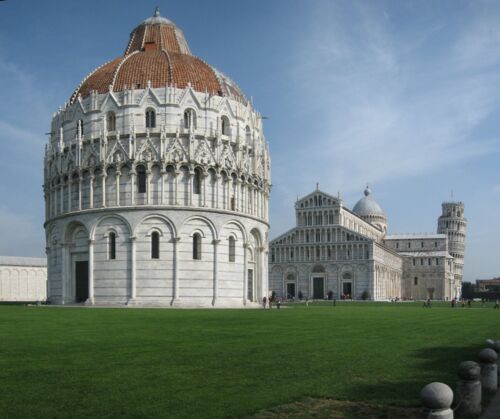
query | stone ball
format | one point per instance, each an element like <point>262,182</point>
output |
<point>436,396</point>
<point>488,356</point>
<point>496,346</point>
<point>469,370</point>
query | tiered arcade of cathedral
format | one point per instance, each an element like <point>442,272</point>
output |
<point>157,181</point>
<point>334,252</point>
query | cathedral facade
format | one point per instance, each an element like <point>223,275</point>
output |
<point>157,181</point>
<point>334,252</point>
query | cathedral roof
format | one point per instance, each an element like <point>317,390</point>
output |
<point>157,55</point>
<point>367,205</point>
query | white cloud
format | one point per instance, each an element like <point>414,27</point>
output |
<point>380,110</point>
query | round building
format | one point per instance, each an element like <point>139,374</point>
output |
<point>157,182</point>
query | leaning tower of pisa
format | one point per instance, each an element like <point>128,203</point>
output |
<point>453,223</point>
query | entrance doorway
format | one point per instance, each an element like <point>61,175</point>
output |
<point>290,290</point>
<point>318,288</point>
<point>347,289</point>
<point>81,281</point>
<point>250,285</point>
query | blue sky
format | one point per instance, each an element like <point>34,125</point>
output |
<point>403,95</point>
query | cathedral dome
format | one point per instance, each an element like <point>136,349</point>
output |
<point>157,55</point>
<point>369,210</point>
<point>367,205</point>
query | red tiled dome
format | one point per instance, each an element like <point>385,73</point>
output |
<point>157,52</point>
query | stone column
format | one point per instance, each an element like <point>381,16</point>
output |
<point>64,272</point>
<point>243,197</point>
<point>488,361</point>
<point>133,174</point>
<point>190,189</point>
<point>90,299</point>
<point>133,285</point>
<point>70,181</point>
<point>103,188</point>
<point>216,203</point>
<point>468,391</point>
<point>162,189</point>
<point>80,180</point>
<point>437,399</point>
<point>176,240</point>
<point>118,174</point>
<point>91,191</point>
<point>148,187</point>
<point>176,187</point>
<point>62,198</point>
<point>245,272</point>
<point>204,176</point>
<point>237,194</point>
<point>216,278</point>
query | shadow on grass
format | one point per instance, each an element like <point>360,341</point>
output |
<point>432,364</point>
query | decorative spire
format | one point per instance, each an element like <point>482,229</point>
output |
<point>157,11</point>
<point>317,186</point>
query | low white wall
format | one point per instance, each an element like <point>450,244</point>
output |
<point>23,279</point>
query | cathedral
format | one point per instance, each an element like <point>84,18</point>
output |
<point>334,252</point>
<point>156,183</point>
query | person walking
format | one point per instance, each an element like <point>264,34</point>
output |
<point>497,305</point>
<point>264,302</point>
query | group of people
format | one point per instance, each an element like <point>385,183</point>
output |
<point>268,303</point>
<point>468,302</point>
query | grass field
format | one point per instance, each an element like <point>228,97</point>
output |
<point>104,362</point>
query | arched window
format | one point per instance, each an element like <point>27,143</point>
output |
<point>224,125</point>
<point>155,245</point>
<point>197,181</point>
<point>111,121</point>
<point>150,118</point>
<point>141,179</point>
<point>196,246</point>
<point>189,119</point>
<point>232,249</point>
<point>112,246</point>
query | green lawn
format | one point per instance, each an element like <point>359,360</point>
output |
<point>81,362</point>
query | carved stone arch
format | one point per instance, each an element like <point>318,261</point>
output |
<point>239,226</point>
<point>257,234</point>
<point>109,216</point>
<point>166,220</point>
<point>72,228</point>
<point>110,230</point>
<point>207,221</point>
<point>53,233</point>
<point>197,231</point>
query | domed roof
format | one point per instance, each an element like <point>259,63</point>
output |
<point>157,55</point>
<point>367,205</point>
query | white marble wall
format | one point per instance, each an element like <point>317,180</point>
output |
<point>22,282</point>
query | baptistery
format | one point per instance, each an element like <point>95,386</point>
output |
<point>156,183</point>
